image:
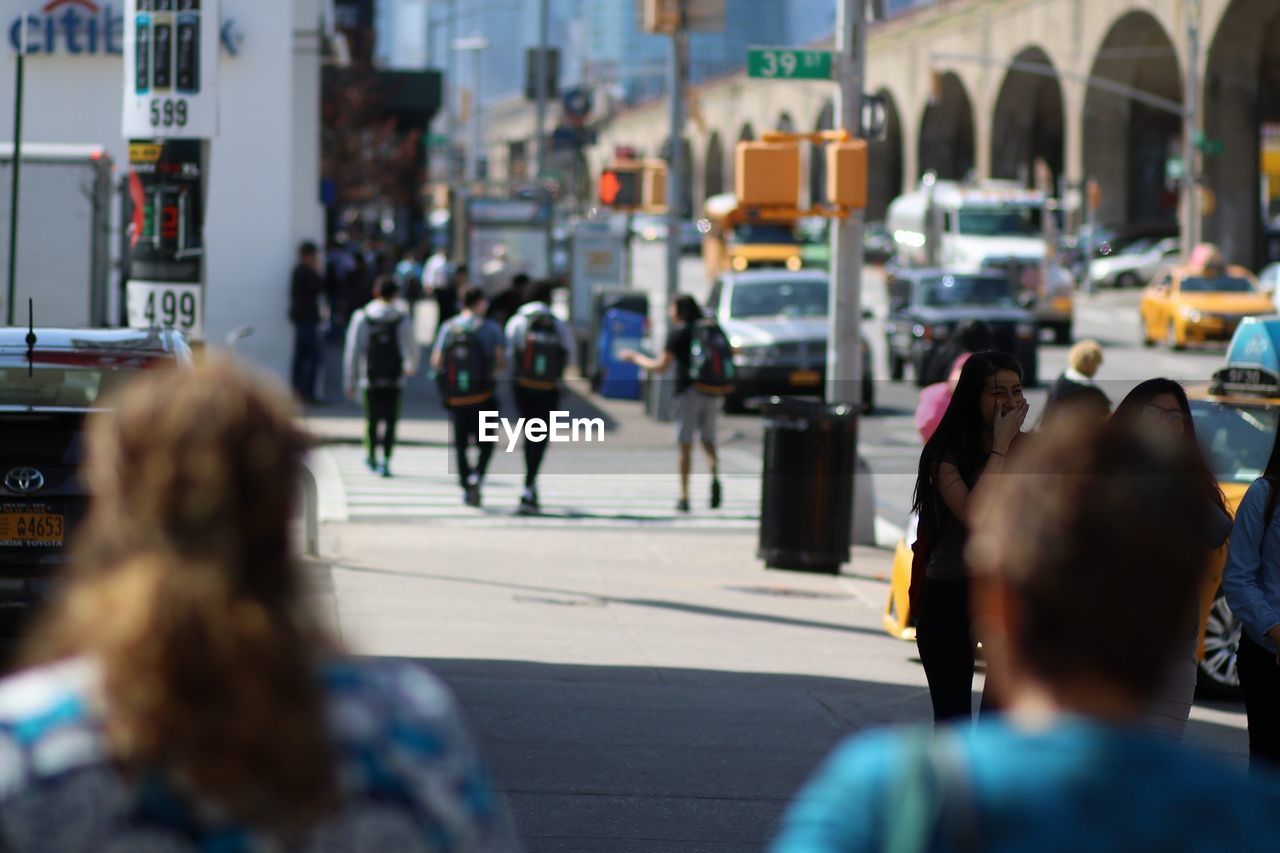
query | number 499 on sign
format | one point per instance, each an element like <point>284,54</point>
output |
<point>166,305</point>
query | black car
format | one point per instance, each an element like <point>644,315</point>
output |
<point>46,390</point>
<point>927,306</point>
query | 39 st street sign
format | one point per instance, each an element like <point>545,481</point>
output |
<point>171,68</point>
<point>789,63</point>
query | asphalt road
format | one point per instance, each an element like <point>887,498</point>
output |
<point>888,439</point>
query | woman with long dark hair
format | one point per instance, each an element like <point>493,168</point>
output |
<point>1251,582</point>
<point>1160,407</point>
<point>969,446</point>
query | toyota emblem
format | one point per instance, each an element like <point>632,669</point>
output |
<point>24,480</point>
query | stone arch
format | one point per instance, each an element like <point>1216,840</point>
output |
<point>713,180</point>
<point>1029,123</point>
<point>1242,114</point>
<point>1127,142</point>
<point>946,131</point>
<point>884,162</point>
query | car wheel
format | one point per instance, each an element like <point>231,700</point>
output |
<point>1062,333</point>
<point>897,368</point>
<point>868,395</point>
<point>734,405</point>
<point>1171,337</point>
<point>1216,675</point>
<point>1127,279</point>
<point>918,369</point>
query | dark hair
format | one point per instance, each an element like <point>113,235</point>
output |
<point>1130,409</point>
<point>687,310</point>
<point>460,269</point>
<point>1095,516</point>
<point>543,291</point>
<point>473,296</point>
<point>959,433</point>
<point>385,287</point>
<point>307,249</point>
<point>974,336</point>
<point>1272,475</point>
<point>520,279</point>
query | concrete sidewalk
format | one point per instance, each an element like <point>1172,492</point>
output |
<point>641,690</point>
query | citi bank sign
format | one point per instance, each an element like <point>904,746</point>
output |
<point>70,26</point>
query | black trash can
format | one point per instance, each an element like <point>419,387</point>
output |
<point>806,500</point>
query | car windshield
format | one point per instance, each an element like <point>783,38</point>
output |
<point>59,386</point>
<point>764,234</point>
<point>1000,221</point>
<point>779,298</point>
<point>1222,284</point>
<point>1236,439</point>
<point>952,290</point>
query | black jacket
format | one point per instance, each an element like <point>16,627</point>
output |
<point>305,290</point>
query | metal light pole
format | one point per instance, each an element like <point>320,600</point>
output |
<point>450,93</point>
<point>1190,123</point>
<point>475,45</point>
<point>844,363</point>
<point>678,74</point>
<point>19,87</point>
<point>543,87</point>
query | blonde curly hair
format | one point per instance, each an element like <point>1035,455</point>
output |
<point>185,591</point>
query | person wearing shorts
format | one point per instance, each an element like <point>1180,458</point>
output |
<point>695,412</point>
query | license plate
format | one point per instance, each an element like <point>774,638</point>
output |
<point>805,377</point>
<point>1062,306</point>
<point>27,528</point>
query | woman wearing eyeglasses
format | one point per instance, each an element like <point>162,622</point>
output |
<point>1160,407</point>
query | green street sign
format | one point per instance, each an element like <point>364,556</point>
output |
<point>789,63</point>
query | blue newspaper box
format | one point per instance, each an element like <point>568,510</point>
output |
<point>619,380</point>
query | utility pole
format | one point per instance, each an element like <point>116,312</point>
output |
<point>844,361</point>
<point>543,86</point>
<point>677,78</point>
<point>450,91</point>
<point>1190,124</point>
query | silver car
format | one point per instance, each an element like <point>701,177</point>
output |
<point>776,322</point>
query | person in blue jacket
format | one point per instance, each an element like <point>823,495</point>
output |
<point>1251,582</point>
<point>1085,557</point>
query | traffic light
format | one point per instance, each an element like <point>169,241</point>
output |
<point>767,174</point>
<point>847,173</point>
<point>620,185</point>
<point>654,190</point>
<point>660,16</point>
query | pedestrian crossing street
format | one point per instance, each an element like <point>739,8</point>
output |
<point>639,489</point>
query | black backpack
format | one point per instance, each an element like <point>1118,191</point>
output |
<point>710,358</point>
<point>542,355</point>
<point>384,362</point>
<point>466,372</point>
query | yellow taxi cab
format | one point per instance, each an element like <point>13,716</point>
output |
<point>1235,415</point>
<point>1185,305</point>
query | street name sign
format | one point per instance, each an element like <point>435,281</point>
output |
<point>789,63</point>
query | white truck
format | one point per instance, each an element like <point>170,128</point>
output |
<point>64,223</point>
<point>990,225</point>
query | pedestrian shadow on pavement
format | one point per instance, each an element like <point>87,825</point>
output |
<point>606,600</point>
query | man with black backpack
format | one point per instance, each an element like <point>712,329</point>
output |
<point>380,355</point>
<point>467,357</point>
<point>704,374</point>
<point>540,345</point>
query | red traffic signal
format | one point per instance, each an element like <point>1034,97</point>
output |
<point>620,187</point>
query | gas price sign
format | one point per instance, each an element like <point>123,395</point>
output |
<point>170,68</point>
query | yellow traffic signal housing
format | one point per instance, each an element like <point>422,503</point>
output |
<point>660,16</point>
<point>847,173</point>
<point>767,174</point>
<point>653,192</point>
